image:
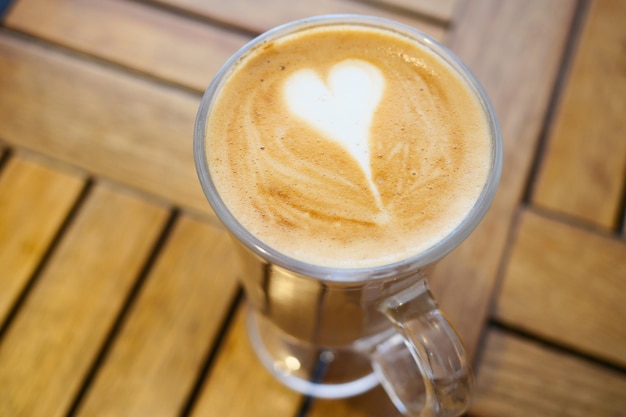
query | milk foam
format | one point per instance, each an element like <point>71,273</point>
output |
<point>347,146</point>
<point>342,107</point>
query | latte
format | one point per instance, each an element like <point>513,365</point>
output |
<point>347,146</point>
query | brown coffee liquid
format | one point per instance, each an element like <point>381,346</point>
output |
<point>298,189</point>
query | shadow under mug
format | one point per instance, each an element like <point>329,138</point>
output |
<point>336,333</point>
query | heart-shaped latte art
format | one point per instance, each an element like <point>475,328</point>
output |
<point>340,108</point>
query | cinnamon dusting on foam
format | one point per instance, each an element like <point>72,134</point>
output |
<point>337,189</point>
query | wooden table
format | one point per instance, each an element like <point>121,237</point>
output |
<point>118,294</point>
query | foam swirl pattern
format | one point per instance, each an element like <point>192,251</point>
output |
<point>306,194</point>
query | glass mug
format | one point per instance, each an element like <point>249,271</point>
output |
<point>334,333</point>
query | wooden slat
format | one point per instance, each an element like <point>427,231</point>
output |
<point>442,10</point>
<point>567,284</point>
<point>239,386</point>
<point>143,139</point>
<point>514,48</point>
<point>50,345</point>
<point>145,38</point>
<point>519,378</point>
<point>162,44</point>
<point>259,16</point>
<point>112,124</point>
<point>156,357</point>
<point>584,170</point>
<point>35,199</point>
<point>490,36</point>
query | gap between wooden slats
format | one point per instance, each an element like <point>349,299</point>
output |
<point>520,378</point>
<point>36,198</point>
<point>114,124</point>
<point>566,283</point>
<point>531,100</point>
<point>256,17</point>
<point>155,358</point>
<point>583,172</point>
<point>148,40</point>
<point>63,321</point>
<point>237,385</point>
<point>501,42</point>
<point>490,36</point>
<point>622,225</point>
<point>152,40</point>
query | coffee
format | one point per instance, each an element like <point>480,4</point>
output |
<point>347,146</point>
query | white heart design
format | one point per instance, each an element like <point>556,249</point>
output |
<point>343,108</point>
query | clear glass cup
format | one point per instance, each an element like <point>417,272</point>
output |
<point>335,333</point>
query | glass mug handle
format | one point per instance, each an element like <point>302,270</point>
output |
<point>423,368</point>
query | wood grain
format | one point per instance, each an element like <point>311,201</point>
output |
<point>583,173</point>
<point>442,10</point>
<point>520,378</point>
<point>502,42</point>
<point>567,284</point>
<point>147,39</point>
<point>35,199</point>
<point>60,328</point>
<point>112,124</point>
<point>239,386</point>
<point>259,16</point>
<point>156,357</point>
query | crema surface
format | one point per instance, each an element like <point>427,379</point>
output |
<point>347,146</point>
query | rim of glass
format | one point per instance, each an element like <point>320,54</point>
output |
<point>408,265</point>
